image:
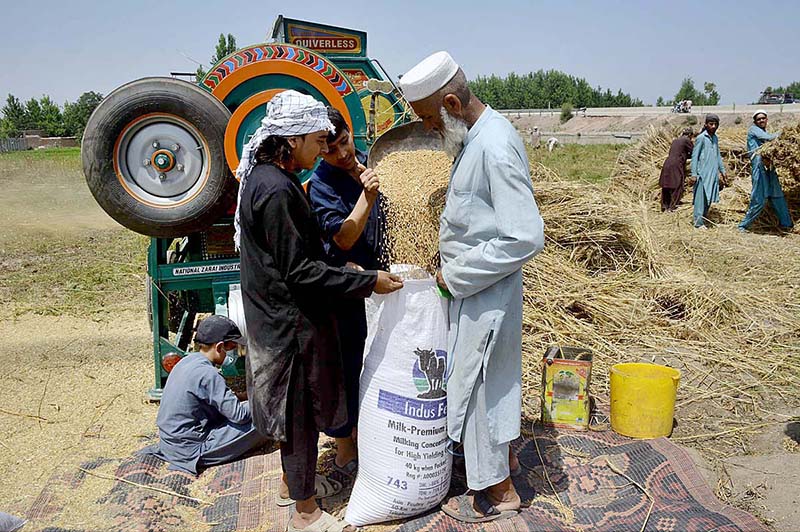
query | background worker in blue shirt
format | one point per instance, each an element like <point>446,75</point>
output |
<point>707,168</point>
<point>766,185</point>
<point>346,202</point>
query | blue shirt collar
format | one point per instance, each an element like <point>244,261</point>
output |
<point>476,127</point>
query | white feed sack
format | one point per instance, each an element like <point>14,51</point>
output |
<point>404,465</point>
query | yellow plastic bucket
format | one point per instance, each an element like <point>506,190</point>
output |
<point>643,399</point>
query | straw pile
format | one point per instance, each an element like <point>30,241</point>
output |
<point>599,236</point>
<point>733,147</point>
<point>783,154</point>
<point>638,169</point>
<point>620,278</point>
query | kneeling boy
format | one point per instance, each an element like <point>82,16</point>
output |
<point>201,422</point>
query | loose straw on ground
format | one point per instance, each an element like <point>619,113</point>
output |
<point>41,399</point>
<point>29,416</point>
<point>144,486</point>
<point>619,472</point>
<point>98,417</point>
<point>546,474</point>
<point>723,432</point>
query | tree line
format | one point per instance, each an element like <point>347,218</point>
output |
<point>225,46</point>
<point>44,114</point>
<point>546,89</point>
<point>70,120</point>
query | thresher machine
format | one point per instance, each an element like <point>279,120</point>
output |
<point>159,155</point>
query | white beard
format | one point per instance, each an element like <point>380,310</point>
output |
<point>454,135</point>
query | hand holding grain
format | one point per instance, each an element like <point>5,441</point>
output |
<point>369,180</point>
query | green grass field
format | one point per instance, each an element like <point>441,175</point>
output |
<point>68,155</point>
<point>589,162</point>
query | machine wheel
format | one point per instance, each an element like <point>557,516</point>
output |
<point>154,158</point>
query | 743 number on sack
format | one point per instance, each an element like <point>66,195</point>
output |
<point>397,483</point>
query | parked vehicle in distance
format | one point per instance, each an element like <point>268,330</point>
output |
<point>776,98</point>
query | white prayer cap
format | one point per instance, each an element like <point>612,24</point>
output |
<point>430,75</point>
<point>759,112</point>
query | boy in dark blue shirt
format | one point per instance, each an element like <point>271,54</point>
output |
<point>346,202</point>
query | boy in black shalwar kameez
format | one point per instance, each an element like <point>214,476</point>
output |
<point>294,363</point>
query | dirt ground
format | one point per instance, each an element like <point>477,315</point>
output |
<point>762,480</point>
<point>77,363</point>
<point>73,390</point>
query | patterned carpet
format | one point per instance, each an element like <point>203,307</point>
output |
<point>592,481</point>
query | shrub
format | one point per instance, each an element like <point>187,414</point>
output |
<point>566,112</point>
<point>738,120</point>
<point>691,120</point>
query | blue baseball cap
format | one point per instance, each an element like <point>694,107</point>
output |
<point>218,328</point>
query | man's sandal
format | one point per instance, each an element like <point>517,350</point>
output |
<point>323,487</point>
<point>326,523</point>
<point>466,513</point>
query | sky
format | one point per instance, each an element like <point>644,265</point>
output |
<point>63,49</point>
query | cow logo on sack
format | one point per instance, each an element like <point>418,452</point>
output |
<point>430,400</point>
<point>428,373</point>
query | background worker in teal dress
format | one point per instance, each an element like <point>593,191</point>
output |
<point>707,166</point>
<point>765,182</point>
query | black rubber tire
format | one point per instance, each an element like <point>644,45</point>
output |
<point>158,95</point>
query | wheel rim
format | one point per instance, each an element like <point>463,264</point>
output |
<point>161,160</point>
<point>243,123</point>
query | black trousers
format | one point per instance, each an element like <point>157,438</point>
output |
<point>352,320</point>
<point>299,451</point>
<point>670,198</point>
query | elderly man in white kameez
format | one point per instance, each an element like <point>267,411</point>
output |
<point>490,228</point>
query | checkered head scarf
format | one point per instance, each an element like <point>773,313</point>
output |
<point>289,114</point>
